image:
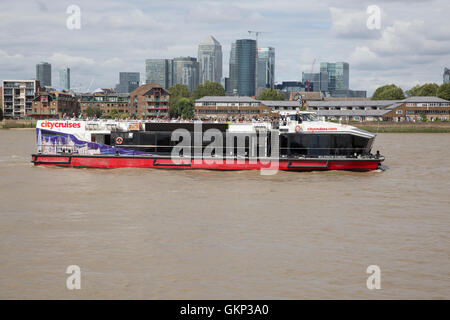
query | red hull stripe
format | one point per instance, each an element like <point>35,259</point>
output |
<point>124,162</point>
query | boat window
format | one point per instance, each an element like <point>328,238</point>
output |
<point>308,117</point>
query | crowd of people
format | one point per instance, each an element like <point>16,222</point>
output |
<point>211,119</point>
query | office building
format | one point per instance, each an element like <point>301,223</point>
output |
<point>266,68</point>
<point>18,97</point>
<point>128,81</point>
<point>186,71</point>
<point>446,75</point>
<point>243,67</point>
<point>44,74</point>
<point>315,81</point>
<point>159,71</point>
<point>338,75</point>
<point>210,60</point>
<point>231,87</point>
<point>64,79</point>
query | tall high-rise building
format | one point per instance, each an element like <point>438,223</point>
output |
<point>128,81</point>
<point>232,77</point>
<point>159,71</point>
<point>64,79</point>
<point>243,67</point>
<point>186,71</point>
<point>266,68</point>
<point>338,75</point>
<point>210,60</point>
<point>44,74</point>
<point>446,75</point>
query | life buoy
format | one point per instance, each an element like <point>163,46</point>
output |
<point>298,128</point>
<point>119,140</point>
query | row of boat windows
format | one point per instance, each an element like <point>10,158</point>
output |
<point>289,144</point>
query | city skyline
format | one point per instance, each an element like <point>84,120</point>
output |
<point>406,50</point>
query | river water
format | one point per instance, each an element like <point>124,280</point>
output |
<point>168,234</point>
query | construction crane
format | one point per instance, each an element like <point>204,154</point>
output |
<point>257,33</point>
<point>308,82</point>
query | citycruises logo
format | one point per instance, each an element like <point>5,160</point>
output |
<point>50,124</point>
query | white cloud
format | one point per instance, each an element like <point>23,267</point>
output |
<point>412,45</point>
<point>351,24</point>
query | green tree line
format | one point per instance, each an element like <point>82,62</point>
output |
<point>392,92</point>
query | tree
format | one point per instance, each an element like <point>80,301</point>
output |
<point>423,117</point>
<point>114,113</point>
<point>414,91</point>
<point>1,114</point>
<point>94,112</point>
<point>271,94</point>
<point>388,92</point>
<point>177,92</point>
<point>209,88</point>
<point>444,91</point>
<point>185,108</point>
<point>428,89</point>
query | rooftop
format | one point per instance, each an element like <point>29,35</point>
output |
<point>226,99</point>
<point>352,103</point>
<point>280,103</point>
<point>352,113</point>
<point>210,40</point>
<point>419,99</point>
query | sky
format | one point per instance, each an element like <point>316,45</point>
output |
<point>411,45</point>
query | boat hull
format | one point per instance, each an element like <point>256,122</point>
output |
<point>111,161</point>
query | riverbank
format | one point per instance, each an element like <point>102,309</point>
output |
<point>377,127</point>
<point>17,124</point>
<point>395,127</point>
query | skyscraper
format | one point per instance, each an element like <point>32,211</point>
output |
<point>44,74</point>
<point>232,77</point>
<point>338,75</point>
<point>64,79</point>
<point>128,81</point>
<point>446,75</point>
<point>186,71</point>
<point>266,68</point>
<point>243,67</point>
<point>210,60</point>
<point>159,71</point>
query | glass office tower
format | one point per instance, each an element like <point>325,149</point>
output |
<point>266,68</point>
<point>210,60</point>
<point>44,74</point>
<point>64,79</point>
<point>338,75</point>
<point>246,66</point>
<point>159,71</point>
<point>128,81</point>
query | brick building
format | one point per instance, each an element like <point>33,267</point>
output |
<point>150,100</point>
<point>106,100</point>
<point>54,105</point>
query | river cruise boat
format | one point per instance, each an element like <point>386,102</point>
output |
<point>295,142</point>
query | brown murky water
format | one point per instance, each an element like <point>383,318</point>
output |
<point>145,233</point>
